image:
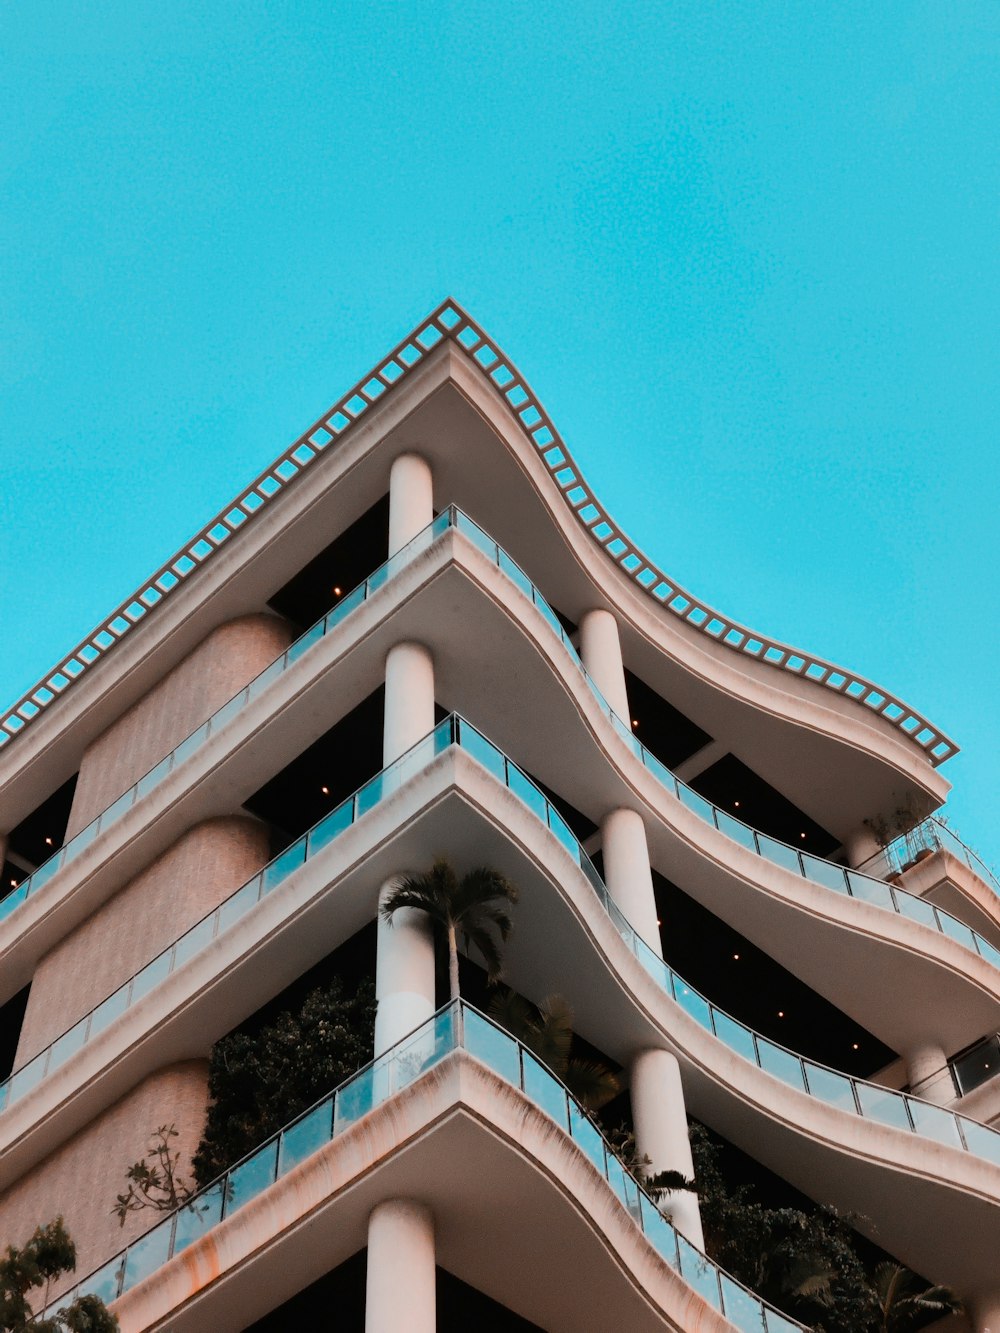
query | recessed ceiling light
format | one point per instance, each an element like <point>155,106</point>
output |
<point>659,922</point>
<point>635,722</point>
<point>336,592</point>
<point>802,835</point>
<point>736,804</point>
<point>781,1013</point>
<point>13,884</point>
<point>48,842</point>
<point>736,956</point>
<point>855,1047</point>
<point>325,791</point>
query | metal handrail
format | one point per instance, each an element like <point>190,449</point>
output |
<point>450,323</point>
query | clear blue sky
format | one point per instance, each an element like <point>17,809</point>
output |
<point>745,252</point>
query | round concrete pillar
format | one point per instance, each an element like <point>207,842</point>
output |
<point>627,873</point>
<point>404,973</point>
<point>409,698</point>
<point>601,652</point>
<point>984,1313</point>
<point>661,1133</point>
<point>861,845</point>
<point>400,1288</point>
<point>411,499</point>
<point>928,1074</point>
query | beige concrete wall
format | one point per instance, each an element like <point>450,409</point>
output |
<point>81,1179</point>
<point>148,914</point>
<point>216,670</point>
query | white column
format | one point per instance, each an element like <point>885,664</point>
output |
<point>400,1288</point>
<point>661,1133</point>
<point>411,499</point>
<point>409,698</point>
<point>404,973</point>
<point>627,873</point>
<point>928,1074</point>
<point>601,652</point>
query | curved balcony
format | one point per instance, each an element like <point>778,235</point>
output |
<point>817,872</point>
<point>449,328</point>
<point>456,1027</point>
<point>824,1131</point>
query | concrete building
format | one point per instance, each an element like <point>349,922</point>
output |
<point>419,633</point>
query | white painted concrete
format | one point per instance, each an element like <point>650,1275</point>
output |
<point>404,973</point>
<point>627,873</point>
<point>601,651</point>
<point>860,845</point>
<point>661,1132</point>
<point>928,1073</point>
<point>985,1314</point>
<point>409,698</point>
<point>411,499</point>
<point>400,1292</point>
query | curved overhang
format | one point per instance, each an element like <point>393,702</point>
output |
<point>936,1206</point>
<point>841,946</point>
<point>501,1181</point>
<point>845,747</point>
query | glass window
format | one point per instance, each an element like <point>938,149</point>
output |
<point>200,1215</point>
<point>775,1060</point>
<point>737,1037</point>
<point>493,1047</point>
<point>978,1065</point>
<point>883,1104</point>
<point>306,1136</point>
<point>252,1177</point>
<point>828,1086</point>
<point>147,1254</point>
<point>545,1090</point>
<point>780,853</point>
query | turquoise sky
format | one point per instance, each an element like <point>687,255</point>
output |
<point>746,253</point>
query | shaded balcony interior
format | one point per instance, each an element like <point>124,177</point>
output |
<point>976,1065</point>
<point>747,983</point>
<point>342,1294</point>
<point>737,789</point>
<point>337,570</point>
<point>662,728</point>
<point>38,836</point>
<point>11,1021</point>
<point>319,778</point>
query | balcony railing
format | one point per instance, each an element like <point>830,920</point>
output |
<point>456,1027</point>
<point>856,1096</point>
<point>930,835</point>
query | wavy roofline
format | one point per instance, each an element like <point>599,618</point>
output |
<point>449,322</point>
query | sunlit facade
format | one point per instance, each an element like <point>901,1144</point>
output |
<point>419,634</point>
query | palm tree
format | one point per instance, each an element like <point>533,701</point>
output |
<point>905,1303</point>
<point>473,906</point>
<point>547,1031</point>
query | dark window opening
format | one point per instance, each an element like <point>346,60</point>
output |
<point>977,1064</point>
<point>747,983</point>
<point>40,834</point>
<point>318,779</point>
<point>660,726</point>
<point>11,1021</point>
<point>459,1306</point>
<point>736,789</point>
<point>335,572</point>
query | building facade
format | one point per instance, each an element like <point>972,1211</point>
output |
<point>420,634</point>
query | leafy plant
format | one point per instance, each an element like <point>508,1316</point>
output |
<point>154,1181</point>
<point>547,1031</point>
<point>474,906</point>
<point>48,1254</point>
<point>906,1304</point>
<point>258,1081</point>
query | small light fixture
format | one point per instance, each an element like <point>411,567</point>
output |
<point>855,1047</point>
<point>736,804</point>
<point>13,885</point>
<point>736,957</point>
<point>336,592</point>
<point>48,842</point>
<point>325,791</point>
<point>659,922</point>
<point>802,835</point>
<point>781,1013</point>
<point>635,723</point>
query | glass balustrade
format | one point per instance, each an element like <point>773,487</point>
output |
<point>828,1085</point>
<point>458,1026</point>
<point>828,874</point>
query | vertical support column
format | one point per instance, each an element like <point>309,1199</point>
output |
<point>860,845</point>
<point>404,973</point>
<point>404,968</point>
<point>928,1074</point>
<point>985,1312</point>
<point>411,499</point>
<point>627,873</point>
<point>661,1132</point>
<point>601,653</point>
<point>400,1287</point>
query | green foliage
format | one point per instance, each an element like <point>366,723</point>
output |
<point>473,906</point>
<point>45,1257</point>
<point>547,1031</point>
<point>158,1186</point>
<point>258,1082</point>
<point>806,1263</point>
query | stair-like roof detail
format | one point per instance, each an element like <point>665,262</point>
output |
<point>449,322</point>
